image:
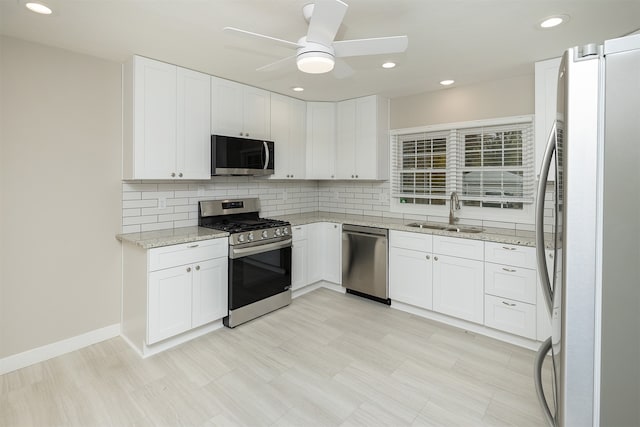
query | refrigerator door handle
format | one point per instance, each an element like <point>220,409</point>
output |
<point>543,271</point>
<point>537,376</point>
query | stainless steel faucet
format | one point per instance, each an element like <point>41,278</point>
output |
<point>454,204</point>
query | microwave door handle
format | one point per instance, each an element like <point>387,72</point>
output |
<point>266,154</point>
<point>543,272</point>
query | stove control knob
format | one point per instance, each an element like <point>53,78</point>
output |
<point>285,231</point>
<point>241,238</point>
<point>250,236</point>
<point>278,232</point>
<point>265,234</point>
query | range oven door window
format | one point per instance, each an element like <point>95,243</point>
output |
<point>256,275</point>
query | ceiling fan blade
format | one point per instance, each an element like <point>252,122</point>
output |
<point>325,20</point>
<point>342,70</point>
<point>278,64</point>
<point>375,46</point>
<point>256,36</point>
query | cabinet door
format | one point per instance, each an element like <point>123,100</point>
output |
<point>297,139</point>
<point>193,143</point>
<point>511,316</point>
<point>315,252</point>
<point>321,140</point>
<point>169,303</point>
<point>299,259</point>
<point>226,107</point>
<point>281,134</point>
<point>458,287</point>
<point>154,124</point>
<point>366,138</point>
<point>332,252</point>
<point>410,277</point>
<point>256,113</point>
<point>210,291</point>
<point>346,140</point>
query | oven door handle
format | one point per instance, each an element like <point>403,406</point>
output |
<point>243,252</point>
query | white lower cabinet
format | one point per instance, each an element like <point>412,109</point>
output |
<point>411,268</point>
<point>316,254</point>
<point>170,290</point>
<point>511,289</point>
<point>511,316</point>
<point>458,287</point>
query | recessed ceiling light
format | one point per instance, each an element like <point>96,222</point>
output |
<point>297,89</point>
<point>38,7</point>
<point>553,21</point>
<point>447,82</point>
<point>388,65</point>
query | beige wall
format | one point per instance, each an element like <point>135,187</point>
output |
<point>60,162</point>
<point>500,98</point>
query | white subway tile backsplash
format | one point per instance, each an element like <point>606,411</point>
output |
<point>140,201</point>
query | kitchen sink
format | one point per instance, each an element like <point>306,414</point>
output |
<point>426,225</point>
<point>445,227</point>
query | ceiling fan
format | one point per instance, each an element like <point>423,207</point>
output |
<point>316,52</point>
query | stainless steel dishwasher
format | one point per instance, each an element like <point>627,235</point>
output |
<point>365,262</point>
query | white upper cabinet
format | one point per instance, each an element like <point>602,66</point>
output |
<point>363,139</point>
<point>321,140</point>
<point>288,131</point>
<point>166,121</point>
<point>239,110</point>
<point>546,88</point>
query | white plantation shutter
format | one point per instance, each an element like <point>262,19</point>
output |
<point>489,166</point>
<point>419,166</point>
<point>495,164</point>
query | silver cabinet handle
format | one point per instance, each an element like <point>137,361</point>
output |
<point>197,267</point>
<point>508,248</point>
<point>180,174</point>
<point>188,269</point>
<point>509,304</point>
<point>509,270</point>
<point>435,258</point>
<point>428,257</point>
<point>173,174</point>
<point>193,246</point>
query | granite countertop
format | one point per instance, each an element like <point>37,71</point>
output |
<point>154,239</point>
<point>174,236</point>
<point>498,235</point>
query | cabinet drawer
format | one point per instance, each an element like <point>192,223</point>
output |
<point>461,248</point>
<point>412,241</point>
<point>510,282</point>
<point>187,253</point>
<point>298,232</point>
<point>510,316</point>
<point>499,253</point>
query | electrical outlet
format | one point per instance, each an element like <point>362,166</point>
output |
<point>162,203</point>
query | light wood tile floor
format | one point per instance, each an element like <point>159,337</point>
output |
<point>326,360</point>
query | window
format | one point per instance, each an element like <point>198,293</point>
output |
<point>488,163</point>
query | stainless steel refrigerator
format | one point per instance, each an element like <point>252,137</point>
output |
<point>592,289</point>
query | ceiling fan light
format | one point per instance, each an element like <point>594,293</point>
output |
<point>315,62</point>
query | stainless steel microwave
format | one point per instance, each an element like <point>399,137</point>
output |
<point>241,156</point>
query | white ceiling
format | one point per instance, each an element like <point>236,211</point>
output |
<point>467,40</point>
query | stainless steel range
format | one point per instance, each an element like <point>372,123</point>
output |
<point>259,257</point>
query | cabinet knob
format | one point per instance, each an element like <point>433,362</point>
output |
<point>180,174</point>
<point>352,176</point>
<point>291,175</point>
<point>550,255</point>
<point>335,226</point>
<point>356,176</point>
<point>173,174</point>
<point>331,176</point>
<point>240,133</point>
<point>197,267</point>
<point>428,257</point>
<point>188,269</point>
<point>435,258</point>
<point>246,134</point>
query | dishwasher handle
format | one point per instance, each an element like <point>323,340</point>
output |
<point>363,230</point>
<point>368,235</point>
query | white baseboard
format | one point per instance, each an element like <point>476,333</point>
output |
<point>317,285</point>
<point>46,352</point>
